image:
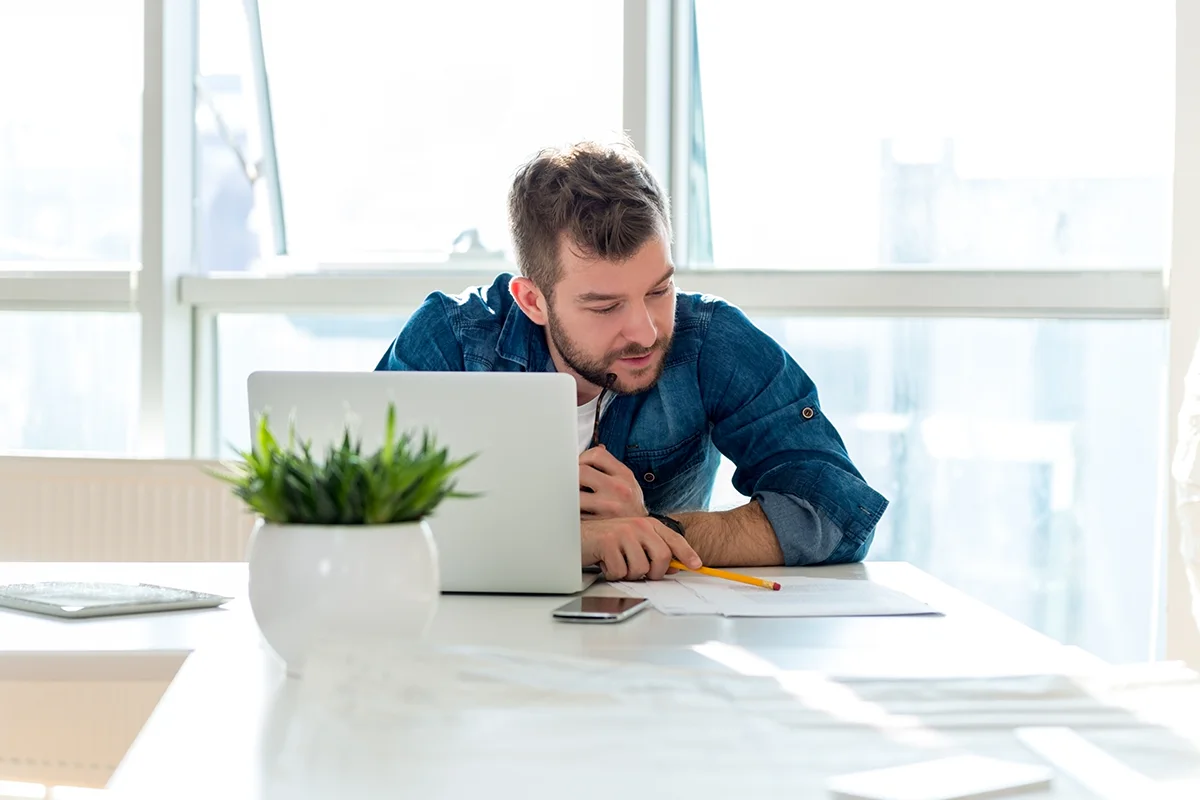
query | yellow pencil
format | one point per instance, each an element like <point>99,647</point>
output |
<point>729,576</point>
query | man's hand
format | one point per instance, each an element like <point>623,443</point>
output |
<point>632,548</point>
<point>614,489</point>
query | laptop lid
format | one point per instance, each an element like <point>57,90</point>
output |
<point>521,535</point>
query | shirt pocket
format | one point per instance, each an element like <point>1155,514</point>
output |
<point>658,468</point>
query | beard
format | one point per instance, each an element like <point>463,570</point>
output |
<point>596,370</point>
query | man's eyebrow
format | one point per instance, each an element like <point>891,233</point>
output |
<point>598,297</point>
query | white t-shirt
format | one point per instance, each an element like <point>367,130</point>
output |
<point>587,418</point>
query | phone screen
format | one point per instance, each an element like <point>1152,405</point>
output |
<point>601,605</point>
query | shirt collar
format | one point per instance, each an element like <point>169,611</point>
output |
<point>524,342</point>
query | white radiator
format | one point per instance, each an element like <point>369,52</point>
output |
<point>96,509</point>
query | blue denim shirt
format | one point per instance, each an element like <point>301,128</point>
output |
<point>726,387</point>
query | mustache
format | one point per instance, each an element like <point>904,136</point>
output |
<point>635,352</point>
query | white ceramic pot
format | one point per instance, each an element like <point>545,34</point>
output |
<point>315,584</point>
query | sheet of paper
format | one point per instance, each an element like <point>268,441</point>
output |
<point>800,597</point>
<point>669,596</point>
<point>806,597</point>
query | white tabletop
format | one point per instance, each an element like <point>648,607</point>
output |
<point>223,720</point>
<point>970,639</point>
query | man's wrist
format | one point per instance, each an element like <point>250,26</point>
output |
<point>670,522</point>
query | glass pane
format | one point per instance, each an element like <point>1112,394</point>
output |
<point>1020,457</point>
<point>69,381</point>
<point>858,133</point>
<point>232,221</point>
<point>250,342</point>
<point>70,130</point>
<point>406,130</point>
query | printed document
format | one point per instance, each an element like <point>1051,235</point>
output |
<point>685,593</point>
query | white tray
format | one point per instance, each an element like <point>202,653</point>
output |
<point>78,599</point>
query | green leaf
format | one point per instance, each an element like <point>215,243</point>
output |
<point>403,481</point>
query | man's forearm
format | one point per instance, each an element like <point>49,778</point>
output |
<point>741,537</point>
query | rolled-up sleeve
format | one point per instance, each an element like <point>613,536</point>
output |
<point>805,535</point>
<point>767,420</point>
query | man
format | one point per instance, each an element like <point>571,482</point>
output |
<point>665,381</point>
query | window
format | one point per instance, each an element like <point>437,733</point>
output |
<point>70,130</point>
<point>69,381</point>
<point>933,132</point>
<point>1032,489</point>
<point>402,137</point>
<point>250,342</point>
<point>840,136</point>
<point>232,219</point>
<point>1020,458</point>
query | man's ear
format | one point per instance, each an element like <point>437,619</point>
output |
<point>530,299</point>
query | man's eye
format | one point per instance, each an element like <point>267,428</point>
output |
<point>605,310</point>
<point>660,292</point>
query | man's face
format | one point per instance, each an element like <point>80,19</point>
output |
<point>614,317</point>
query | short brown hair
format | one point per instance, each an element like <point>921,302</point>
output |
<point>602,195</point>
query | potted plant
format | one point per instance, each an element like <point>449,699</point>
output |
<point>342,546</point>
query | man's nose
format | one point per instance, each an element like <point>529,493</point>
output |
<point>640,328</point>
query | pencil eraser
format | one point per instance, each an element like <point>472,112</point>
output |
<point>776,587</point>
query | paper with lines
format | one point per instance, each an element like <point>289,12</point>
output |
<point>685,593</point>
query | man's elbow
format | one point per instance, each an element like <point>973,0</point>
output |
<point>850,550</point>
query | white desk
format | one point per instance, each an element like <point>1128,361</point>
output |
<point>224,716</point>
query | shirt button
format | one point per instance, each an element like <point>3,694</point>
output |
<point>808,413</point>
<point>648,477</point>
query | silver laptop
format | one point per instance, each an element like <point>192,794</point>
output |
<point>521,535</point>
